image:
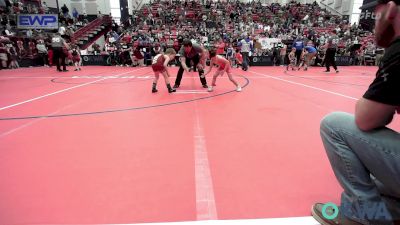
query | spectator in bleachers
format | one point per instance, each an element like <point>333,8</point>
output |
<point>45,7</point>
<point>69,33</point>
<point>246,46</point>
<point>31,49</point>
<point>378,55</point>
<point>65,11</point>
<point>369,54</point>
<point>96,48</point>
<point>137,57</point>
<point>62,29</point>
<point>156,49</point>
<point>75,14</point>
<point>21,48</point>
<point>257,47</point>
<point>283,52</point>
<point>3,4</point>
<point>29,33</point>
<point>42,52</point>
<point>3,56</point>
<point>220,46</point>
<point>13,57</point>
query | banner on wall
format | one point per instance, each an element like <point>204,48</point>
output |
<point>367,16</point>
<point>268,43</point>
<point>37,21</point>
<point>261,61</point>
<point>343,60</point>
<point>98,60</point>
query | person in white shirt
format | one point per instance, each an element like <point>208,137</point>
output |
<point>42,52</point>
<point>8,32</point>
<point>61,30</point>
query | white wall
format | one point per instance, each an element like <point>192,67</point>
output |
<point>90,6</point>
<point>342,7</point>
<point>51,3</point>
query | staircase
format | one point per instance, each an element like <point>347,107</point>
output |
<point>85,36</point>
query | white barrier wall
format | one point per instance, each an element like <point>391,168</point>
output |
<point>91,7</point>
<point>342,7</point>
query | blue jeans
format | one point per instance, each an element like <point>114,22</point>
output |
<point>366,164</point>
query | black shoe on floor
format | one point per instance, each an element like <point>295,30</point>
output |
<point>65,70</point>
<point>316,212</point>
<point>205,86</point>
<point>154,90</point>
<point>176,86</point>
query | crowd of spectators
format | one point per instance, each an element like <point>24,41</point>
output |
<point>221,25</point>
<point>33,43</point>
<point>213,24</point>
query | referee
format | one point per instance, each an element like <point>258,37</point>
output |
<point>330,56</point>
<point>191,53</point>
<point>58,43</point>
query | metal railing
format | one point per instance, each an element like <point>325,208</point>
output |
<point>104,20</point>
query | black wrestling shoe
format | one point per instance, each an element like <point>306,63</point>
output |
<point>170,90</point>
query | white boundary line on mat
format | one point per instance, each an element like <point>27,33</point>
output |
<point>205,200</point>
<point>62,90</point>
<point>305,85</point>
<point>273,221</point>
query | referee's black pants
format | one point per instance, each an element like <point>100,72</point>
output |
<point>298,55</point>
<point>195,61</point>
<point>58,54</point>
<point>330,58</point>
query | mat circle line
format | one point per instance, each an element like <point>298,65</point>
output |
<point>126,109</point>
